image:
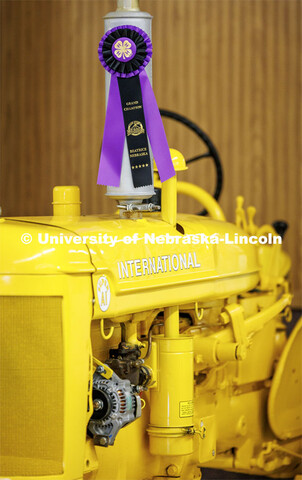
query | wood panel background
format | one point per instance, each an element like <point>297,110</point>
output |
<point>232,66</point>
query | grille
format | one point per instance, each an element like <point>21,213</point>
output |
<point>31,386</point>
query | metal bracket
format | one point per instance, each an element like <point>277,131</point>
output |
<point>103,369</point>
<point>234,314</point>
<point>142,207</point>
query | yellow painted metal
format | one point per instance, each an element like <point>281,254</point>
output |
<point>172,322</point>
<point>179,162</point>
<point>275,263</point>
<point>66,201</point>
<point>21,375</point>
<point>240,217</point>
<point>284,409</point>
<point>36,258</point>
<point>213,207</point>
<point>106,372</point>
<point>169,201</point>
<point>171,403</point>
<point>222,361</point>
<point>131,333</point>
<point>103,334</point>
<point>203,197</point>
<point>207,440</point>
<point>231,343</point>
<point>172,407</point>
<point>74,334</point>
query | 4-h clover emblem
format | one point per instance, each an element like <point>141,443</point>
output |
<point>124,49</point>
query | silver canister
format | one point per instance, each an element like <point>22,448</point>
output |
<point>128,13</point>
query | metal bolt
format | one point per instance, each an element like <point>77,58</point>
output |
<point>98,404</point>
<point>240,352</point>
<point>224,318</point>
<point>213,453</point>
<point>198,358</point>
<point>241,427</point>
<point>139,388</point>
<point>138,363</point>
<point>103,441</point>
<point>172,470</point>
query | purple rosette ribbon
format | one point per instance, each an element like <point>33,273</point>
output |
<point>132,110</point>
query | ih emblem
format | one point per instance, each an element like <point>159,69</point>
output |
<point>103,291</point>
<point>135,128</point>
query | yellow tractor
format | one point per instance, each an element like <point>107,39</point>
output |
<point>147,344</point>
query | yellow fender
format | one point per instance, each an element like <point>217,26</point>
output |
<point>285,398</point>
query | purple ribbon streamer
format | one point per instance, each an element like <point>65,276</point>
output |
<point>155,130</point>
<point>114,135</point>
<point>113,140</point>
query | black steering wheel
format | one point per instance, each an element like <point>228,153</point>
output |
<point>211,150</point>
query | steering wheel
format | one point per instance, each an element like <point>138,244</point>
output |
<point>211,150</point>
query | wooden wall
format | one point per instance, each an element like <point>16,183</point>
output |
<point>232,66</point>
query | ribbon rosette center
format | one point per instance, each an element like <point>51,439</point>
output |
<point>123,49</point>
